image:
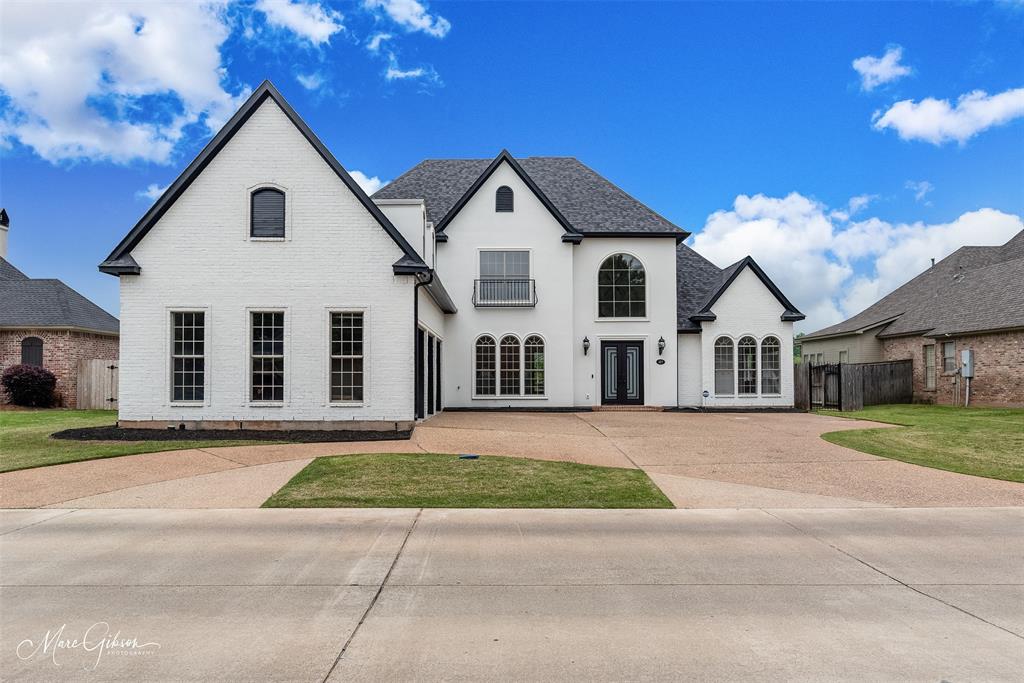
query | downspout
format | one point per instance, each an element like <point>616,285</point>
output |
<point>416,332</point>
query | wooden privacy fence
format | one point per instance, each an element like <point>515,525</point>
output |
<point>851,386</point>
<point>97,384</point>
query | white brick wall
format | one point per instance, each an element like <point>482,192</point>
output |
<point>198,256</point>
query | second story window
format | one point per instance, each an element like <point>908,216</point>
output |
<point>504,199</point>
<point>266,213</point>
<point>504,279</point>
<point>621,288</point>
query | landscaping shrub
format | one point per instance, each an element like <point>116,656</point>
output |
<point>29,385</point>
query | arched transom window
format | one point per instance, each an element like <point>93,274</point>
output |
<point>724,367</point>
<point>486,366</point>
<point>533,366</point>
<point>509,377</point>
<point>509,367</point>
<point>621,288</point>
<point>747,356</point>
<point>32,351</point>
<point>771,366</point>
<point>266,217</point>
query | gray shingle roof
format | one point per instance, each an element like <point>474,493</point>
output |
<point>697,279</point>
<point>591,203</point>
<point>9,272</point>
<point>50,303</point>
<point>972,290</point>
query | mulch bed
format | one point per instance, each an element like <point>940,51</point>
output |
<point>115,433</point>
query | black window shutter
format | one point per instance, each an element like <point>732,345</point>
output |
<point>32,351</point>
<point>503,199</point>
<point>267,218</point>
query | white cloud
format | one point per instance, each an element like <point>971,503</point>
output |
<point>369,184</point>
<point>832,271</point>
<point>310,81</point>
<point>853,207</point>
<point>373,45</point>
<point>396,73</point>
<point>412,16</point>
<point>308,20</point>
<point>876,71</point>
<point>937,122</point>
<point>115,81</point>
<point>920,188</point>
<point>152,192</point>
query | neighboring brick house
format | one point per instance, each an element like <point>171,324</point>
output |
<point>45,322</point>
<point>971,300</point>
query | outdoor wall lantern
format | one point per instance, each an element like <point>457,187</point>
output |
<point>661,346</point>
<point>586,345</point>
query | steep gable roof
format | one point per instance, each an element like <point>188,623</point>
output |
<point>700,284</point>
<point>588,203</point>
<point>973,289</point>
<point>50,303</point>
<point>120,263</point>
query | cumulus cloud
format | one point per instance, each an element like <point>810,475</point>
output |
<point>309,20</point>
<point>937,121</point>
<point>876,71</point>
<point>368,183</point>
<point>118,81</point>
<point>152,192</point>
<point>920,188</point>
<point>412,16</point>
<point>832,269</point>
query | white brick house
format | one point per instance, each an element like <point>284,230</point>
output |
<point>264,286</point>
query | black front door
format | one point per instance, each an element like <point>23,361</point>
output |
<point>622,373</point>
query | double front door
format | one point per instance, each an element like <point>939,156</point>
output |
<point>622,373</point>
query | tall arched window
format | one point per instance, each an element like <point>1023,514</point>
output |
<point>724,367</point>
<point>509,374</point>
<point>32,351</point>
<point>621,288</point>
<point>771,366</point>
<point>266,215</point>
<point>486,366</point>
<point>533,367</point>
<point>747,353</point>
<point>504,200</point>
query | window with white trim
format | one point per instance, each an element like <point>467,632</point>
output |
<point>621,288</point>
<point>725,378</point>
<point>509,377</point>
<point>188,355</point>
<point>533,366</point>
<point>267,356</point>
<point>929,366</point>
<point>948,357</point>
<point>771,366</point>
<point>486,366</point>
<point>747,374</point>
<point>347,344</point>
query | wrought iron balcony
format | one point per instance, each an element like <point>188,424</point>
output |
<point>516,293</point>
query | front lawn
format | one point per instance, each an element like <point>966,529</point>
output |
<point>986,442</point>
<point>434,480</point>
<point>25,439</point>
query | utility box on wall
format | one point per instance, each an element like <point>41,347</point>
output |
<point>967,363</point>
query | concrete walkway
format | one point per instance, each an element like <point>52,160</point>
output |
<point>530,595</point>
<point>707,460</point>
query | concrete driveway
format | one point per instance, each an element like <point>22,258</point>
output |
<point>342,595</point>
<point>708,460</point>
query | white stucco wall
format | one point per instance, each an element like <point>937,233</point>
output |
<point>690,367</point>
<point>747,307</point>
<point>658,256</point>
<point>335,257</point>
<point>529,227</point>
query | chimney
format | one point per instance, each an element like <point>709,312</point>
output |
<point>933,262</point>
<point>5,227</point>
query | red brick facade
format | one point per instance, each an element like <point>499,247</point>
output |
<point>62,349</point>
<point>998,368</point>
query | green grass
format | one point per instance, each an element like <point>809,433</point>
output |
<point>986,442</point>
<point>25,439</point>
<point>434,480</point>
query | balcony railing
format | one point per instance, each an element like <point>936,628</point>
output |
<point>510,293</point>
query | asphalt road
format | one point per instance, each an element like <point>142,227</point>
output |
<point>312,595</point>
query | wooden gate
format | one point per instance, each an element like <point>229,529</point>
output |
<point>826,385</point>
<point>97,384</point>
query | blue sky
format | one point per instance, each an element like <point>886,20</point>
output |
<point>746,124</point>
